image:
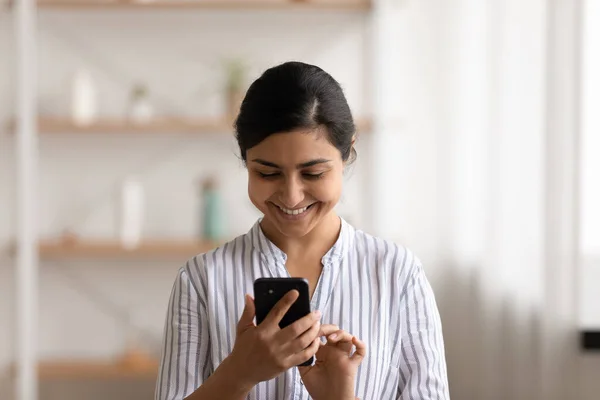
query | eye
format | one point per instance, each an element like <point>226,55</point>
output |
<point>313,176</point>
<point>269,175</point>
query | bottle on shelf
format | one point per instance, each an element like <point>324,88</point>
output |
<point>212,211</point>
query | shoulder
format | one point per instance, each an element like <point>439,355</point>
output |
<point>220,254</point>
<point>386,253</point>
<point>199,266</point>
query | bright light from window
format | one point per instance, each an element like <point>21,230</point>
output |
<point>590,140</point>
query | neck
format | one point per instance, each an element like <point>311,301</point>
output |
<point>315,243</point>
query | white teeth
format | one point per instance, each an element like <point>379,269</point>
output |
<point>293,212</point>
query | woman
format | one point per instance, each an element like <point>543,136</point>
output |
<point>296,134</point>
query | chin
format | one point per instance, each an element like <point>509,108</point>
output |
<point>293,231</point>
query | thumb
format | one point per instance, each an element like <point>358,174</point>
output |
<point>247,318</point>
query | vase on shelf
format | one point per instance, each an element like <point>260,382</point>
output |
<point>83,98</point>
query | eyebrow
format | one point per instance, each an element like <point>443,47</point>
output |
<point>298,166</point>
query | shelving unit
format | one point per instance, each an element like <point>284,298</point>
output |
<point>31,125</point>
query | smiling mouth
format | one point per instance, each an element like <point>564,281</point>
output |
<point>296,211</point>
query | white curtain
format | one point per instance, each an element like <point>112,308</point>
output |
<point>485,181</point>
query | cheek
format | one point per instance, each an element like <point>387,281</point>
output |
<point>256,189</point>
<point>329,190</point>
<point>260,191</point>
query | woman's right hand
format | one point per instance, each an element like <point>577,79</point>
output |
<point>265,351</point>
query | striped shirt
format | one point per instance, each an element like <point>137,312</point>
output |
<point>372,288</point>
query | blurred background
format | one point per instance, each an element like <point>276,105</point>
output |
<point>478,149</point>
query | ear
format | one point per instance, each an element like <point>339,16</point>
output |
<point>352,150</point>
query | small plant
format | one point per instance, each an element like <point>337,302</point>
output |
<point>140,107</point>
<point>235,89</point>
<point>139,91</point>
<point>235,69</point>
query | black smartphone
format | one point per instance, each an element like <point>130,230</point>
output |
<point>268,291</point>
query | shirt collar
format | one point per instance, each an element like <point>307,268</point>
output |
<point>272,254</point>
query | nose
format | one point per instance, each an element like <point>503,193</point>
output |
<point>291,192</point>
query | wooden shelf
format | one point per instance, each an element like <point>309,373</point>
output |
<point>115,126</point>
<point>78,370</point>
<point>132,365</point>
<point>358,5</point>
<point>52,125</point>
<point>107,249</point>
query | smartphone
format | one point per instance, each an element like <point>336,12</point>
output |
<point>268,291</point>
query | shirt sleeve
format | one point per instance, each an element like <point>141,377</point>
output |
<point>185,353</point>
<point>423,374</point>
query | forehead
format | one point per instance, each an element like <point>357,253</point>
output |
<point>293,147</point>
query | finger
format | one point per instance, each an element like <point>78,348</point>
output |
<point>247,318</point>
<point>360,352</point>
<point>342,340</point>
<point>278,311</point>
<point>306,339</point>
<point>339,336</point>
<point>307,353</point>
<point>293,331</point>
<point>328,329</point>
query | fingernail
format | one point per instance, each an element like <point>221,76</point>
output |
<point>317,314</point>
<point>333,336</point>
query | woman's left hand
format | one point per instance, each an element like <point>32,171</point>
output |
<point>333,375</point>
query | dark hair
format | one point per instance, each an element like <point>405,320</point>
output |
<point>293,96</point>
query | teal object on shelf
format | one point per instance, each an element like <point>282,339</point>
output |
<point>213,221</point>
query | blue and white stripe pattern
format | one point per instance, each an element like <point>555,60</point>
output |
<point>370,287</point>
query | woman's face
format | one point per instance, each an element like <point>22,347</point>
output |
<point>295,180</point>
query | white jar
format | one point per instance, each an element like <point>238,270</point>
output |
<point>83,98</point>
